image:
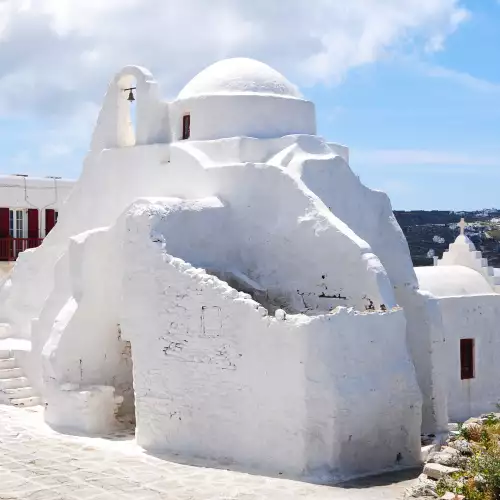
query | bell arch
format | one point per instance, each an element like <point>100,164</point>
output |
<point>114,128</point>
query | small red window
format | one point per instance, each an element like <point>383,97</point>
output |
<point>186,127</point>
<point>466,359</point>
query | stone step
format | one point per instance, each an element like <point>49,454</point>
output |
<point>18,393</point>
<point>437,471</point>
<point>7,363</point>
<point>5,354</point>
<point>26,402</point>
<point>13,383</point>
<point>10,373</point>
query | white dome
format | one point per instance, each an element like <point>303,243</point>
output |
<point>452,281</point>
<point>236,76</point>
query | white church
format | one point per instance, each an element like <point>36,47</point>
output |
<point>222,278</point>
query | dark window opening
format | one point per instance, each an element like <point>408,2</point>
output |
<point>466,359</point>
<point>186,127</point>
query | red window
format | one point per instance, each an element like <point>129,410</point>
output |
<point>33,231</point>
<point>186,127</point>
<point>50,220</point>
<point>466,359</point>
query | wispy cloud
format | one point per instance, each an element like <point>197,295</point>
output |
<point>459,77</point>
<point>422,157</point>
<point>394,186</point>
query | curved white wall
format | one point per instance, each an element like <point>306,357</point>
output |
<point>250,115</point>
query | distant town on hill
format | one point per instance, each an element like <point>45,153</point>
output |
<point>429,233</point>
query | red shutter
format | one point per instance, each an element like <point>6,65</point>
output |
<point>186,127</point>
<point>466,359</point>
<point>4,222</point>
<point>50,220</point>
<point>33,223</point>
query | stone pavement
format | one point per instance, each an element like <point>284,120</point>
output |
<point>36,463</point>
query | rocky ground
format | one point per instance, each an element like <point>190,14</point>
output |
<point>466,466</point>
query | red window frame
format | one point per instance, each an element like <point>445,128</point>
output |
<point>467,355</point>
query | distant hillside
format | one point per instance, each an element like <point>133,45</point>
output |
<point>431,232</point>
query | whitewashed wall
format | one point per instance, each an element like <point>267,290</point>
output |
<point>84,353</point>
<point>258,116</point>
<point>215,377</point>
<point>476,317</point>
<point>39,193</point>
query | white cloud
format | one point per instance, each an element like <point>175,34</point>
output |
<point>57,56</point>
<point>56,53</point>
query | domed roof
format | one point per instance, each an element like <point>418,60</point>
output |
<point>452,281</point>
<point>237,76</point>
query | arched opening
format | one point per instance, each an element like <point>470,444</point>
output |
<point>127,110</point>
<point>124,121</point>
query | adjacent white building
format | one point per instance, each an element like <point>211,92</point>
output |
<point>220,274</point>
<point>29,208</point>
<point>467,342</point>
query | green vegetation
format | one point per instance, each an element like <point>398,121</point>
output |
<point>479,478</point>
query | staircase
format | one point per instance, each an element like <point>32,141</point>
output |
<point>15,389</point>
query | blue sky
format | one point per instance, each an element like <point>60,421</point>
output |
<point>422,123</point>
<point>441,113</point>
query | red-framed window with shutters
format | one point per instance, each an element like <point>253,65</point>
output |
<point>19,231</point>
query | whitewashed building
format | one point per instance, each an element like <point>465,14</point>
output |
<point>466,345</point>
<point>29,208</point>
<point>221,274</point>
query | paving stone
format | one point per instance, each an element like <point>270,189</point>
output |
<point>37,463</point>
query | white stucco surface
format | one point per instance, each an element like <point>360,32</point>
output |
<point>452,281</point>
<point>33,192</point>
<point>210,362</point>
<point>236,76</point>
<point>241,290</point>
<point>475,318</point>
<point>463,295</point>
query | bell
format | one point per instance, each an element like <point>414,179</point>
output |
<point>131,97</point>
